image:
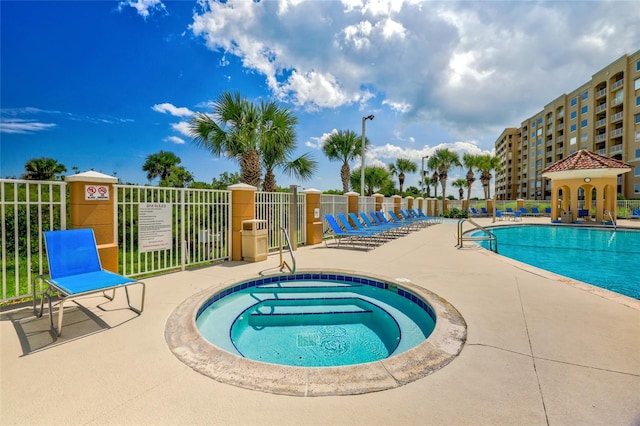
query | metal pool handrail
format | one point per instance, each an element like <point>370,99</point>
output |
<point>490,236</point>
<point>283,264</point>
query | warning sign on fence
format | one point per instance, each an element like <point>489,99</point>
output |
<point>96,192</point>
<point>154,227</point>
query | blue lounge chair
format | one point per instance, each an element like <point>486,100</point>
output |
<point>355,237</point>
<point>483,211</point>
<point>411,223</point>
<point>499,215</point>
<point>383,233</point>
<point>411,218</point>
<point>535,211</point>
<point>635,214</point>
<point>547,211</point>
<point>396,228</point>
<point>474,212</point>
<point>523,211</point>
<point>74,271</point>
<point>509,210</point>
<point>347,226</point>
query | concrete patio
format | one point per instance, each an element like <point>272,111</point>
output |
<point>540,349</point>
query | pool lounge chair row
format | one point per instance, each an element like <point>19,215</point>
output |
<point>374,229</point>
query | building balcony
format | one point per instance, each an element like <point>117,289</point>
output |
<point>616,149</point>
<point>616,132</point>
<point>601,122</point>
<point>602,151</point>
<point>601,137</point>
<point>600,93</point>
<point>560,138</point>
<point>617,84</point>
<point>617,116</point>
<point>615,102</point>
<point>601,107</point>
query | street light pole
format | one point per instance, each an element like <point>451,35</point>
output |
<point>422,176</point>
<point>364,119</point>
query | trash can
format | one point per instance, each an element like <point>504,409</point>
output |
<point>566,217</point>
<point>254,240</point>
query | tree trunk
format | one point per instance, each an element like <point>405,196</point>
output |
<point>345,174</point>
<point>250,170</point>
<point>269,181</point>
<point>401,180</point>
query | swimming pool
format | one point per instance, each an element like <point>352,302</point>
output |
<point>316,320</point>
<point>405,362</point>
<point>603,257</point>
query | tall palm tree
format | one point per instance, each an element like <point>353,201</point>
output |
<point>400,167</point>
<point>470,162</point>
<point>235,130</point>
<point>277,144</point>
<point>344,146</point>
<point>376,178</point>
<point>43,168</point>
<point>442,160</point>
<point>160,164</point>
<point>486,165</point>
<point>427,181</point>
<point>460,184</point>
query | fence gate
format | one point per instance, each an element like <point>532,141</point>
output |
<point>161,229</point>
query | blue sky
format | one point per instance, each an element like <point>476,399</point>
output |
<point>103,84</point>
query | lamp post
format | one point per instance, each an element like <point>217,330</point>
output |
<point>364,119</point>
<point>422,176</point>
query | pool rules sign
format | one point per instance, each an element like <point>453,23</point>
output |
<point>154,227</point>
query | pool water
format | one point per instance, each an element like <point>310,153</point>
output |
<point>315,323</point>
<point>606,258</point>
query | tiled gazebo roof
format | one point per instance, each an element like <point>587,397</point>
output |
<point>586,160</point>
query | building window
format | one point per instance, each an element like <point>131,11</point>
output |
<point>533,123</point>
<point>539,153</point>
<point>572,141</point>
<point>636,188</point>
<point>574,101</point>
<point>637,84</point>
<point>637,135</point>
<point>584,123</point>
<point>583,137</point>
<point>637,100</point>
<point>637,118</point>
<point>539,132</point>
<point>573,151</point>
<point>539,121</point>
<point>637,156</point>
<point>533,145</point>
<point>638,66</point>
<point>573,128</point>
<point>573,115</point>
<point>636,171</point>
<point>585,95</point>
<point>539,142</point>
<point>584,109</point>
<point>533,134</point>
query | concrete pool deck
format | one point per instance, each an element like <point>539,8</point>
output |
<point>539,350</point>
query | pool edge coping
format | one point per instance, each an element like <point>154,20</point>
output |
<point>441,347</point>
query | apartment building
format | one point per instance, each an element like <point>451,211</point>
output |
<point>602,115</point>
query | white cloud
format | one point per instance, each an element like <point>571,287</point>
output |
<point>20,126</point>
<point>182,127</point>
<point>144,7</point>
<point>472,67</point>
<point>172,109</point>
<point>175,139</point>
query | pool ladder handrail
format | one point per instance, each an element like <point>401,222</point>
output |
<point>490,236</point>
<point>284,265</point>
<point>613,222</point>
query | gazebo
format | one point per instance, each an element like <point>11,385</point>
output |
<point>589,175</point>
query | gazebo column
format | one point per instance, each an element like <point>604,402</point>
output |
<point>554,200</point>
<point>573,189</point>
<point>600,191</point>
<point>588,190</point>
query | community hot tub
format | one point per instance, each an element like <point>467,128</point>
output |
<point>316,333</point>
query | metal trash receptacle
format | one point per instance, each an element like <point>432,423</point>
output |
<point>254,240</point>
<point>566,217</point>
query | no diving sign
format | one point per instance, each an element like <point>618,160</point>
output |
<point>96,192</point>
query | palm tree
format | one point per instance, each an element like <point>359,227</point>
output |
<point>344,146</point>
<point>236,131</point>
<point>442,160</point>
<point>460,184</point>
<point>277,144</point>
<point>470,162</point>
<point>160,164</point>
<point>427,181</point>
<point>486,165</point>
<point>43,168</point>
<point>376,178</point>
<point>400,167</point>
